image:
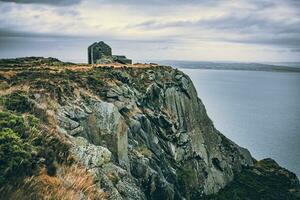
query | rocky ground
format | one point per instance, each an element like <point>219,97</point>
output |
<point>119,132</point>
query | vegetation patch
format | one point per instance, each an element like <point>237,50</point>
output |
<point>13,122</point>
<point>145,151</point>
<point>18,102</point>
<point>71,182</point>
<point>31,62</point>
<point>186,176</point>
<point>15,154</point>
<point>25,146</point>
<point>264,181</point>
<point>187,179</point>
<point>4,85</point>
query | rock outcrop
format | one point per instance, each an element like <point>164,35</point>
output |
<point>265,180</point>
<point>142,133</point>
<point>162,137</point>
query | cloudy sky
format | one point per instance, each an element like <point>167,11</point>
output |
<point>221,30</point>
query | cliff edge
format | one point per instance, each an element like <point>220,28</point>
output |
<point>117,132</point>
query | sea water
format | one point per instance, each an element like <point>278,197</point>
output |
<point>257,110</point>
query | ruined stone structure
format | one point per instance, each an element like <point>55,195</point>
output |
<point>101,53</point>
<point>98,51</point>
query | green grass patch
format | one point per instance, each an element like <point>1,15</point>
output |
<point>18,102</point>
<point>265,181</point>
<point>15,154</point>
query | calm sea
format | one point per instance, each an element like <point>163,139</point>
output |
<point>257,110</point>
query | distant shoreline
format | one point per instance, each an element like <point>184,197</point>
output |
<point>230,66</point>
<point>290,69</point>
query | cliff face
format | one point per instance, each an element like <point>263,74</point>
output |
<point>142,132</point>
<point>160,136</point>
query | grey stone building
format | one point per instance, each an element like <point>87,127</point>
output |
<point>101,53</point>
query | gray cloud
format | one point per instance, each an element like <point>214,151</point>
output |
<point>253,22</point>
<point>123,2</point>
<point>47,2</point>
<point>162,2</point>
<point>259,4</point>
<point>251,28</point>
<point>230,22</point>
<point>292,42</point>
<point>6,32</point>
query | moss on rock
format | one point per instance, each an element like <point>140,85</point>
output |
<point>266,180</point>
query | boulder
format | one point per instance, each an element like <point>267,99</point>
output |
<point>90,155</point>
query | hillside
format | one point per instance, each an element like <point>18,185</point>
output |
<point>117,131</point>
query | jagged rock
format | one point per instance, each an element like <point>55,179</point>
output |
<point>123,182</point>
<point>122,76</point>
<point>76,131</point>
<point>161,142</point>
<point>104,126</point>
<point>90,155</point>
<point>183,138</point>
<point>144,134</point>
<point>112,94</point>
<point>265,180</point>
<point>67,123</point>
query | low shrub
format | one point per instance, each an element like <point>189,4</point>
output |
<point>265,180</point>
<point>17,102</point>
<point>14,122</point>
<point>187,179</point>
<point>145,151</point>
<point>14,153</point>
<point>186,176</point>
<point>72,182</point>
<point>24,143</point>
<point>4,86</point>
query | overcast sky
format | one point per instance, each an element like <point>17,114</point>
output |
<point>221,30</point>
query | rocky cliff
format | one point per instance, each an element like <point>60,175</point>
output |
<point>139,132</point>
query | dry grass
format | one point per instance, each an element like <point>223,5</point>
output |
<point>88,93</point>
<point>12,89</point>
<point>86,67</point>
<point>144,151</point>
<point>8,74</point>
<point>76,67</point>
<point>134,111</point>
<point>71,183</point>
